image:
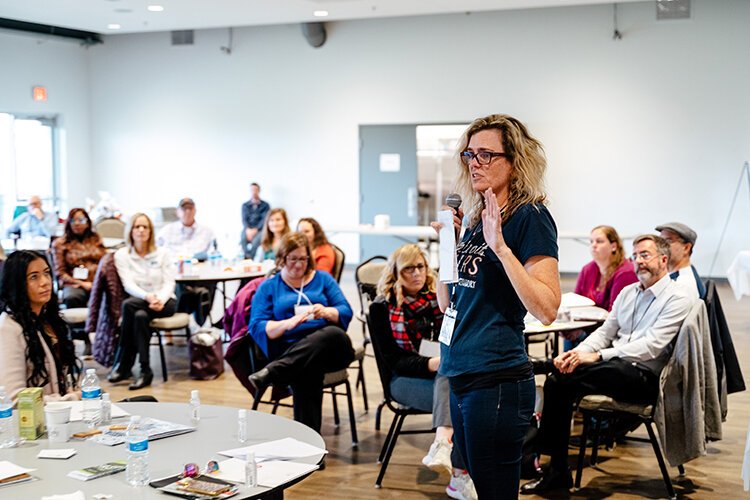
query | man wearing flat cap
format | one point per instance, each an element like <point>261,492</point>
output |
<point>186,238</point>
<point>681,241</point>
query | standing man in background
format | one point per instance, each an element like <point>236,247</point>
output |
<point>254,214</point>
<point>34,222</point>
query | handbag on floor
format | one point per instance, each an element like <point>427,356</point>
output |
<point>206,355</point>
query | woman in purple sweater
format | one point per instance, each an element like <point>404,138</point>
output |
<point>603,278</point>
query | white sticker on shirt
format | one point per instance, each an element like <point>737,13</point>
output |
<point>446,331</point>
<point>80,273</point>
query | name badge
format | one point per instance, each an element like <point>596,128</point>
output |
<point>302,309</point>
<point>80,273</point>
<point>429,348</point>
<point>449,322</point>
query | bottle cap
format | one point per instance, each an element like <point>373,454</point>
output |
<point>2,388</point>
<point>105,396</point>
<point>194,394</point>
<point>251,456</point>
<point>242,413</point>
<point>134,419</point>
<point>90,371</point>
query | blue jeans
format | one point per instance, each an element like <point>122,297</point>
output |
<point>489,426</point>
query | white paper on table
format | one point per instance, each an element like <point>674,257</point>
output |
<point>280,449</point>
<point>76,411</point>
<point>9,469</point>
<point>76,495</point>
<point>571,299</point>
<point>231,469</point>
<point>59,453</point>
<point>275,472</point>
<point>447,252</point>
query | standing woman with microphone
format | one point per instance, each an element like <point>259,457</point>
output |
<point>507,265</point>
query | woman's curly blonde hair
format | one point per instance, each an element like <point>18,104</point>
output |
<point>524,152</point>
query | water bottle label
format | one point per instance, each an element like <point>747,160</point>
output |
<point>8,412</point>
<point>138,446</point>
<point>91,393</point>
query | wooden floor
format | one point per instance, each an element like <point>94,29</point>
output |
<point>629,471</point>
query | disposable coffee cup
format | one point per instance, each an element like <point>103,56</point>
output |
<point>58,433</point>
<point>57,413</point>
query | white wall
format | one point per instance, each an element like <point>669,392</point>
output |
<point>62,67</point>
<point>652,128</point>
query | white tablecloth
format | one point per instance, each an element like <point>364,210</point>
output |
<point>738,274</point>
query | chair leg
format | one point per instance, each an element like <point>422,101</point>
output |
<point>595,445</point>
<point>162,356</point>
<point>361,380</point>
<point>275,407</point>
<point>387,440</point>
<point>378,412</point>
<point>660,459</point>
<point>582,450</point>
<point>352,419</point>
<point>336,419</point>
<point>399,420</point>
<point>681,470</point>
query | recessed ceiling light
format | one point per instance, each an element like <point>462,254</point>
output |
<point>113,26</point>
<point>320,13</point>
<point>155,8</point>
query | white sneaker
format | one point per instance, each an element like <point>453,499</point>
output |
<point>461,487</point>
<point>439,456</point>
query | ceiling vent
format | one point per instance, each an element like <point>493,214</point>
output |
<point>183,37</point>
<point>672,9</point>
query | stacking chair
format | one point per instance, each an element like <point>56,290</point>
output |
<point>338,263</point>
<point>110,228</point>
<point>331,382</point>
<point>76,318</point>
<point>597,407</point>
<point>366,276</point>
<point>178,321</point>
<point>378,321</point>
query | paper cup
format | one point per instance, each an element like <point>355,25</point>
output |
<point>58,433</point>
<point>57,413</point>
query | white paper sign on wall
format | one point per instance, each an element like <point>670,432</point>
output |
<point>390,162</point>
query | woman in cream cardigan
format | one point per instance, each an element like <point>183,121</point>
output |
<point>35,349</point>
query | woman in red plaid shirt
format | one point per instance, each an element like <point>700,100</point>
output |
<point>412,355</point>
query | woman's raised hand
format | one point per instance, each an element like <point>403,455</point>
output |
<point>492,222</point>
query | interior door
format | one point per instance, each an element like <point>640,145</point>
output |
<point>387,182</point>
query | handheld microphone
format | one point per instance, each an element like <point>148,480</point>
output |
<point>453,200</point>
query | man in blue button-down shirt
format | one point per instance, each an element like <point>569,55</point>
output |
<point>621,359</point>
<point>34,222</point>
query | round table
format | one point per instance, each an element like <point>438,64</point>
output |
<point>216,431</point>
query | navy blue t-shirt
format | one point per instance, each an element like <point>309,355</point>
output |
<point>488,334</point>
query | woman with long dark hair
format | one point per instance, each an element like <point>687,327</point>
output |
<point>76,257</point>
<point>35,349</point>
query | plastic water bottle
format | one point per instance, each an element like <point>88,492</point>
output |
<point>195,406</point>
<point>91,394</point>
<point>214,256</point>
<point>242,426</point>
<point>106,415</point>
<point>251,471</point>
<point>8,429</point>
<point>136,472</point>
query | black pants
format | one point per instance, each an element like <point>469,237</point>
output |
<point>616,378</point>
<point>304,365</point>
<point>136,335</point>
<point>75,297</point>
<point>190,298</point>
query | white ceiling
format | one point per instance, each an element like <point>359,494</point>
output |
<point>133,16</point>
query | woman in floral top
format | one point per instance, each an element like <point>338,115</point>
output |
<point>76,256</point>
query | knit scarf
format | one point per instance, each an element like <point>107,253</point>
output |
<point>414,319</point>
